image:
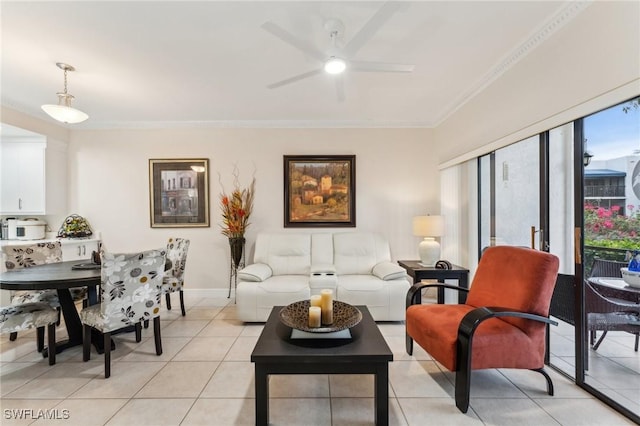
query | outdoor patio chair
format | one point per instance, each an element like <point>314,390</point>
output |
<point>604,314</point>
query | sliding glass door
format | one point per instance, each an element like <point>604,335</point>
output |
<point>574,191</point>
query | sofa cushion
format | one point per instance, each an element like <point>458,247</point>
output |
<point>286,254</point>
<point>389,271</point>
<point>354,253</point>
<point>359,252</point>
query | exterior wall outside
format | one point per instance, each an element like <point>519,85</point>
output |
<point>629,165</point>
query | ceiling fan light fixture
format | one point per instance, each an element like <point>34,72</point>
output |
<point>63,111</point>
<point>335,65</point>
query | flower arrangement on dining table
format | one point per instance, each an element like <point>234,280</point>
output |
<point>236,209</point>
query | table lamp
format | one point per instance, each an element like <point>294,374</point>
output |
<point>428,227</point>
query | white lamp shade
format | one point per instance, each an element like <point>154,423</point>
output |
<point>428,226</point>
<point>65,114</point>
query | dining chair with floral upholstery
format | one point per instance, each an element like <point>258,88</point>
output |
<point>26,256</point>
<point>130,290</point>
<point>173,280</point>
<point>21,317</point>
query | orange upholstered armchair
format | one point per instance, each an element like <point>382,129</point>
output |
<point>502,324</point>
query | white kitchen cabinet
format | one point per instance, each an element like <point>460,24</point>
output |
<point>22,188</point>
<point>33,173</point>
<point>78,249</point>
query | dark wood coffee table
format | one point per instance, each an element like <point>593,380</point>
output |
<point>365,353</point>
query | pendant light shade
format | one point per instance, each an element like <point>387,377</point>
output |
<point>63,111</point>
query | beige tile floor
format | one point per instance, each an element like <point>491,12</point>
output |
<point>205,377</point>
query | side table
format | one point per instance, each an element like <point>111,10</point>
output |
<point>419,273</point>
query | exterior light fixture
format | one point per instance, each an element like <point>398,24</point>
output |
<point>63,111</point>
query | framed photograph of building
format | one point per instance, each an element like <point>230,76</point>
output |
<point>179,192</point>
<point>319,191</point>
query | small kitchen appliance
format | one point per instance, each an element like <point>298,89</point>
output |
<point>30,229</point>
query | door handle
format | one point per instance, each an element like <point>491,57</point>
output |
<point>19,203</point>
<point>84,250</point>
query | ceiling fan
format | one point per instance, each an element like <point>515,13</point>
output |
<point>339,59</point>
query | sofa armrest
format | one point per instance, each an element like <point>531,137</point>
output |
<point>388,271</point>
<point>256,272</point>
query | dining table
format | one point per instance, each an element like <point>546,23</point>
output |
<point>60,276</point>
<point>616,288</point>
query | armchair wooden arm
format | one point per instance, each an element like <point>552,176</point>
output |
<point>414,295</point>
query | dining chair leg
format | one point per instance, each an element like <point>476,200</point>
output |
<point>138,327</point>
<point>86,343</point>
<point>637,339</point>
<point>146,323</point>
<point>182,303</point>
<point>156,335</point>
<point>51,342</point>
<point>40,339</point>
<point>168,299</point>
<point>107,355</point>
<point>13,336</point>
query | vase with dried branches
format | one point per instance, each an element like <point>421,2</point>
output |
<point>236,209</point>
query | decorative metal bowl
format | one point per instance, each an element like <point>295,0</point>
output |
<point>296,315</point>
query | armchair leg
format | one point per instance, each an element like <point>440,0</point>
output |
<point>463,373</point>
<point>86,343</point>
<point>168,299</point>
<point>51,334</point>
<point>409,344</point>
<point>107,355</point>
<point>156,335</point>
<point>547,377</point>
<point>182,303</point>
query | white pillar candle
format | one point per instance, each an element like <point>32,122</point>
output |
<point>327,306</point>
<point>316,300</point>
<point>314,316</point>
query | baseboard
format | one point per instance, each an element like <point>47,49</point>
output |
<point>209,293</point>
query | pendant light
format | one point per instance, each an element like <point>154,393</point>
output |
<point>63,111</point>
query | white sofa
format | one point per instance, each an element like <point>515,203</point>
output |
<point>289,267</point>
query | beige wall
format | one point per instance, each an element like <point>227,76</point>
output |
<point>588,65</point>
<point>396,178</point>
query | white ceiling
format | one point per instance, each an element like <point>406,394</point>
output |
<point>142,64</point>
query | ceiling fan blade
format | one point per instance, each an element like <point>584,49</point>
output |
<point>379,67</point>
<point>340,88</point>
<point>294,41</point>
<point>294,78</point>
<point>371,27</point>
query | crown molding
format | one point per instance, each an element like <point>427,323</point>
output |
<point>563,16</point>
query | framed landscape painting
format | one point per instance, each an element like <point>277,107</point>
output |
<point>179,193</point>
<point>319,191</point>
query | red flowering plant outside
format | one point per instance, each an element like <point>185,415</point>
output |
<point>605,227</point>
<point>236,209</point>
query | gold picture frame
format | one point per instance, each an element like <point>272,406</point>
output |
<point>319,191</point>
